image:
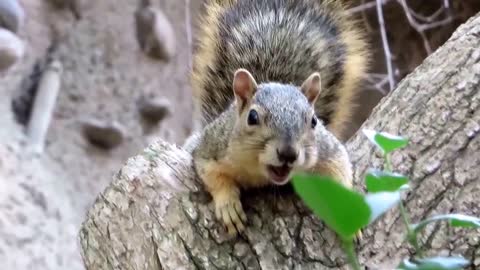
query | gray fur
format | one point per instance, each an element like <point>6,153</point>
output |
<point>281,41</point>
<point>287,109</point>
<point>286,119</point>
<point>212,142</point>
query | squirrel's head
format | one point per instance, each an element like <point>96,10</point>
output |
<point>276,124</point>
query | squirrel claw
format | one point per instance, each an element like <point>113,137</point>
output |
<point>240,212</point>
<point>232,215</point>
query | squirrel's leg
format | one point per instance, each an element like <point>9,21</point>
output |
<point>225,192</point>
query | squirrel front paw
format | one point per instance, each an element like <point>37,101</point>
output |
<point>229,210</point>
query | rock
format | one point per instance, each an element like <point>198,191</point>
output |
<point>11,15</point>
<point>103,134</point>
<point>155,109</point>
<point>154,33</point>
<point>11,49</point>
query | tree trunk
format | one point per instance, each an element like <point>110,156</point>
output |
<point>155,215</point>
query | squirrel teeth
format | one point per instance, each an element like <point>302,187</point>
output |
<point>279,174</point>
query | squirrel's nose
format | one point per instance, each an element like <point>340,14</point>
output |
<point>287,154</point>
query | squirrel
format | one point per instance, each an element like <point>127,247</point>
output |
<point>273,86</point>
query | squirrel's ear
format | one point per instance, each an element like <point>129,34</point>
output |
<point>244,86</point>
<point>311,87</point>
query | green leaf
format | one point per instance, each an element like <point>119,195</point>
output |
<point>456,220</point>
<point>343,210</point>
<point>378,181</point>
<point>474,223</point>
<point>435,263</point>
<point>385,141</point>
<point>381,202</point>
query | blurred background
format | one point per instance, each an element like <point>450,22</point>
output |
<point>108,77</point>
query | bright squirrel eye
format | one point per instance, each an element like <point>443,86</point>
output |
<point>314,122</point>
<point>252,118</point>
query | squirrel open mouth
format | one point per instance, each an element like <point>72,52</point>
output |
<point>279,175</point>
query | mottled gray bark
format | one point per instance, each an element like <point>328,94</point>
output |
<point>154,214</point>
<point>438,108</point>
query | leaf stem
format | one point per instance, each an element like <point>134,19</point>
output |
<point>388,163</point>
<point>352,257</point>
<point>405,216</point>
<point>411,234</point>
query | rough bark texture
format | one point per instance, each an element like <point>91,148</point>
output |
<point>144,220</point>
<point>438,108</point>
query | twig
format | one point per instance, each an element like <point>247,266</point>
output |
<point>364,6</point>
<point>422,27</point>
<point>386,46</point>
<point>377,82</point>
<point>188,30</point>
<point>419,22</point>
<point>43,106</point>
<point>365,19</point>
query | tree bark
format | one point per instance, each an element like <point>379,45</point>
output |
<point>155,215</point>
